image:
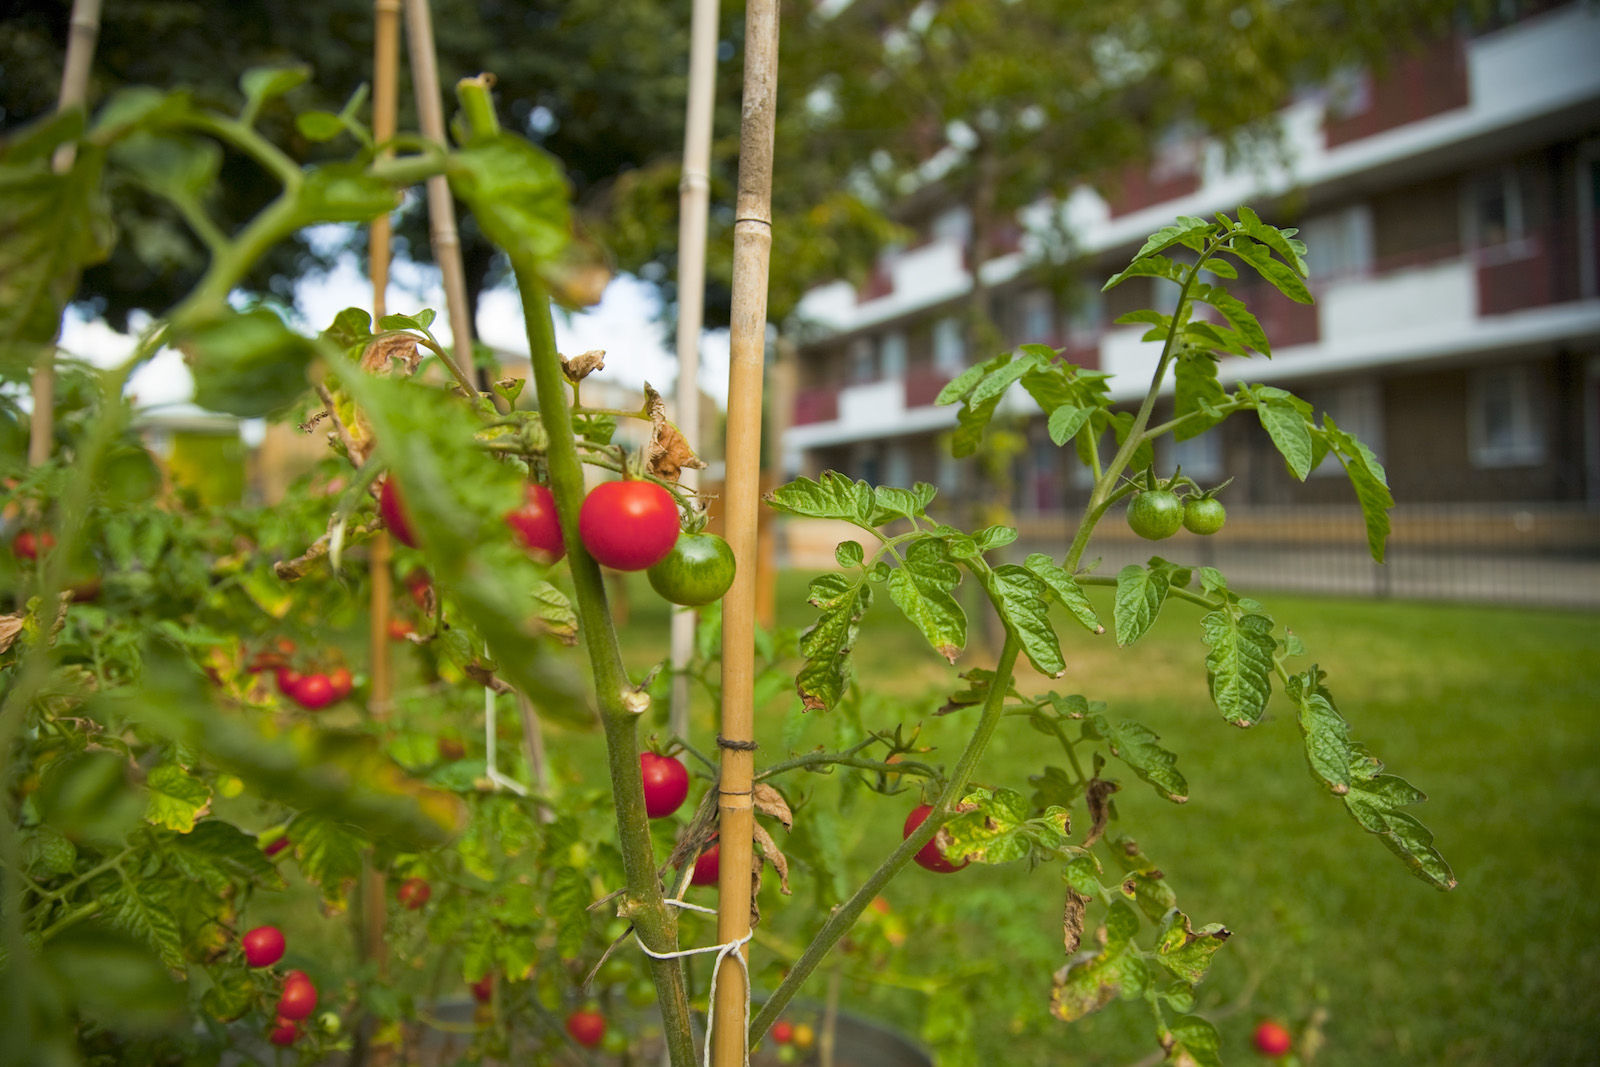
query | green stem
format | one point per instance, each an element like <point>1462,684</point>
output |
<point>846,914</point>
<point>248,141</point>
<point>823,759</point>
<point>643,905</point>
<point>1182,594</point>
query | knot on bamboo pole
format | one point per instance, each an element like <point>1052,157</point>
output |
<point>737,746</point>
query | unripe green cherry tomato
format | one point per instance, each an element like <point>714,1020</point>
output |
<point>697,571</point>
<point>628,525</point>
<point>1155,514</point>
<point>1203,515</point>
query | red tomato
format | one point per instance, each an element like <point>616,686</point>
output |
<point>263,946</point>
<point>414,893</point>
<point>707,867</point>
<point>629,525</point>
<point>929,855</point>
<point>783,1031</point>
<point>393,513</point>
<point>536,526</point>
<point>341,681</point>
<point>588,1028</point>
<point>666,784</point>
<point>483,989</point>
<point>1272,1039</point>
<point>284,1031</point>
<point>28,544</point>
<point>299,996</point>
<point>288,679</point>
<point>400,629</point>
<point>313,691</point>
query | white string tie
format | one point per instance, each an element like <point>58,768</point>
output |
<point>723,952</point>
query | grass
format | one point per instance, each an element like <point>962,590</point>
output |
<point>1491,711</point>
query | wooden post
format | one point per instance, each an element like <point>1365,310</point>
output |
<point>752,248</point>
<point>442,232</point>
<point>82,35</point>
<point>694,195</point>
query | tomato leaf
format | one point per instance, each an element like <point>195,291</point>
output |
<point>141,907</point>
<point>1188,231</point>
<point>1375,800</point>
<point>1066,589</point>
<point>1195,1043</point>
<point>1147,267</point>
<point>1136,746</point>
<point>1281,277</point>
<point>330,856</point>
<point>1197,393</point>
<point>834,496</point>
<point>220,855</point>
<point>517,194</point>
<point>921,588</point>
<point>570,898</point>
<point>890,502</point>
<point>1326,734</point>
<point>1023,605</point>
<point>1239,666</point>
<point>248,364</point>
<point>1237,315</point>
<point>1287,421</point>
<point>1370,482</point>
<point>1000,830</point>
<point>1140,593</point>
<point>177,798</point>
<point>1185,951</point>
<point>1066,421</point>
<point>828,642</point>
<point>1093,979</point>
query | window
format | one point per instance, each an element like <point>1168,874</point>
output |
<point>954,224</point>
<point>1200,457</point>
<point>863,360</point>
<point>1338,244</point>
<point>1038,318</point>
<point>1357,409</point>
<point>897,465</point>
<point>892,355</point>
<point>1086,318</point>
<point>1503,421</point>
<point>1493,208</point>
<point>949,347</point>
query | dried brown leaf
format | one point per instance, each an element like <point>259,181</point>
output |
<point>390,353</point>
<point>768,801</point>
<point>10,627</point>
<point>768,849</point>
<point>578,368</point>
<point>1099,800</point>
<point>668,452</point>
<point>1072,920</point>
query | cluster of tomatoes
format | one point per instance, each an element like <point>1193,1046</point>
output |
<point>1156,514</point>
<point>297,999</point>
<point>628,525</point>
<point>312,689</point>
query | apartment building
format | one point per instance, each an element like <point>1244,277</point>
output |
<point>1450,207</point>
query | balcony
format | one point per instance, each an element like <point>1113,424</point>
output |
<point>922,387</point>
<point>819,403</point>
<point>1416,87</point>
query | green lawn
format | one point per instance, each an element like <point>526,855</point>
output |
<point>1492,712</point>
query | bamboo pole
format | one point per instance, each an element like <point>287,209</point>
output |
<point>82,35</point>
<point>752,248</point>
<point>442,232</point>
<point>694,196</point>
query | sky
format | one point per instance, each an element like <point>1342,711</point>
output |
<point>623,323</point>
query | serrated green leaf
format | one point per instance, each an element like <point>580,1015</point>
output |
<point>570,898</point>
<point>849,554</point>
<point>140,907</point>
<point>1026,613</point>
<point>891,502</point>
<point>1370,482</point>
<point>1195,1043</point>
<point>1197,393</point>
<point>1236,313</point>
<point>1148,267</point>
<point>1281,277</point>
<point>1147,315</point>
<point>971,421</point>
<point>555,611</point>
<point>1274,238</point>
<point>1290,431</point>
<point>248,364</point>
<point>921,588</point>
<point>1326,734</point>
<point>180,167</point>
<point>1136,746</point>
<point>1185,951</point>
<point>220,855</point>
<point>1082,872</point>
<point>960,385</point>
<point>49,854</point>
<point>177,798</point>
<point>1000,830</point>
<point>1091,980</point>
<point>517,194</point>
<point>1066,421</point>
<point>833,496</point>
<point>1188,231</point>
<point>343,192</point>
<point>827,644</point>
<point>1066,589</point>
<point>1209,335</point>
<point>1140,594</point>
<point>1239,666</point>
<point>992,537</point>
<point>230,995</point>
<point>329,854</point>
<point>1375,800</point>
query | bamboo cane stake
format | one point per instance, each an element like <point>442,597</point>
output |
<point>83,33</point>
<point>752,248</point>
<point>442,232</point>
<point>694,195</point>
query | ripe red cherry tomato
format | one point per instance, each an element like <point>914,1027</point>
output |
<point>536,526</point>
<point>313,691</point>
<point>929,856</point>
<point>400,629</point>
<point>697,570</point>
<point>284,1031</point>
<point>393,513</point>
<point>588,1028</point>
<point>1272,1039</point>
<point>287,678</point>
<point>299,996</point>
<point>628,525</point>
<point>666,784</point>
<point>28,544</point>
<point>263,946</point>
<point>483,989</point>
<point>783,1032</point>
<point>341,681</point>
<point>414,893</point>
<point>707,867</point>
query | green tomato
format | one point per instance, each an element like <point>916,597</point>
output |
<point>1155,514</point>
<point>1203,515</point>
<point>697,571</point>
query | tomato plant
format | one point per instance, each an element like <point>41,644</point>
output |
<point>666,783</point>
<point>536,525</point>
<point>1203,515</point>
<point>706,867</point>
<point>299,997</point>
<point>696,571</point>
<point>930,856</point>
<point>262,946</point>
<point>628,525</point>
